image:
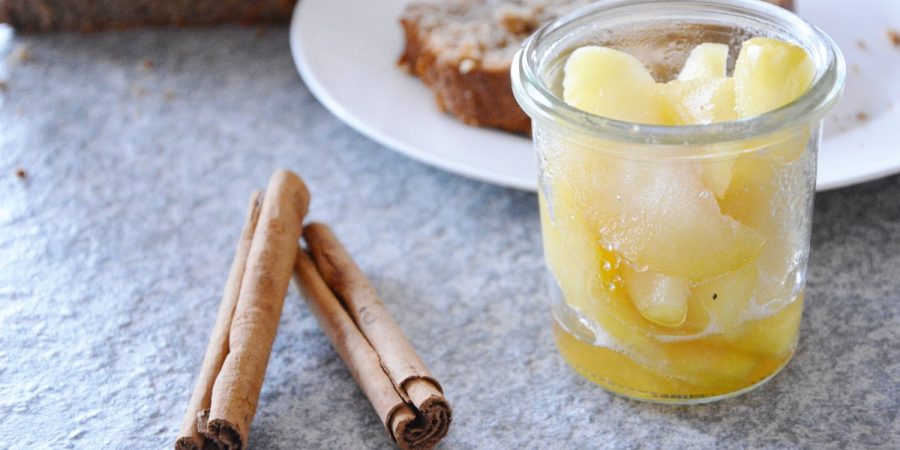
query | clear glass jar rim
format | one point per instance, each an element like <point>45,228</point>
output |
<point>537,99</point>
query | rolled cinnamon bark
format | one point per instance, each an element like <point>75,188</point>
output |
<point>398,364</point>
<point>351,345</point>
<point>267,273</point>
<point>190,438</point>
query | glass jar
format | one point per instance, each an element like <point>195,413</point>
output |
<point>717,215</point>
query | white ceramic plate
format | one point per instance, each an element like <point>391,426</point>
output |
<point>346,51</point>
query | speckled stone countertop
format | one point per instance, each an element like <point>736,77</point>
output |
<point>140,150</point>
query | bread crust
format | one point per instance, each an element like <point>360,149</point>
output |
<point>476,95</point>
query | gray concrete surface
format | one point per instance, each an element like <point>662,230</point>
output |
<point>115,246</point>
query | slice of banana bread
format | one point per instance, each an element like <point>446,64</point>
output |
<point>463,49</point>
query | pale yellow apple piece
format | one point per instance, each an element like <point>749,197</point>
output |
<point>707,365</point>
<point>763,196</point>
<point>617,371</point>
<point>778,266</point>
<point>570,253</point>
<point>751,192</point>
<point>716,175</point>
<point>700,102</point>
<point>726,298</point>
<point>612,84</point>
<point>585,274</point>
<point>663,218</point>
<point>791,145</point>
<point>698,321</point>
<point>770,73</point>
<point>705,61</point>
<point>774,336</point>
<point>660,298</point>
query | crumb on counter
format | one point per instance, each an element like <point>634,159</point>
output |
<point>860,44</point>
<point>148,63</point>
<point>862,117</point>
<point>20,54</point>
<point>3,86</point>
<point>894,36</point>
<point>21,173</point>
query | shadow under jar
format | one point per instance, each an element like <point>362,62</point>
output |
<point>627,209</point>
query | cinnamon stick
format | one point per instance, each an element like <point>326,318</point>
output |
<point>189,438</point>
<point>253,321</point>
<point>414,409</point>
<point>236,391</point>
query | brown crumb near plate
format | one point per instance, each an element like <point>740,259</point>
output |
<point>148,63</point>
<point>862,45</point>
<point>21,173</point>
<point>3,86</point>
<point>862,117</point>
<point>894,36</point>
<point>19,55</point>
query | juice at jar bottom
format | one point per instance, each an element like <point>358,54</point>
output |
<point>679,280</point>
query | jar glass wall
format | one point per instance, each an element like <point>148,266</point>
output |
<point>717,214</point>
